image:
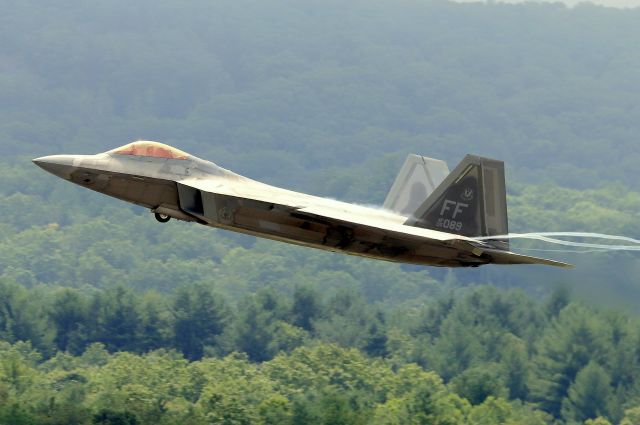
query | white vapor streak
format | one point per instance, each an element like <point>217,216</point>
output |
<point>551,237</point>
<point>563,250</point>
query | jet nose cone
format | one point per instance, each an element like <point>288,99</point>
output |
<point>59,165</point>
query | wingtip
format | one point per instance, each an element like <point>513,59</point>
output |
<point>567,266</point>
<point>547,262</point>
<point>508,257</point>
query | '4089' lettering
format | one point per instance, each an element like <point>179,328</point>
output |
<point>445,223</point>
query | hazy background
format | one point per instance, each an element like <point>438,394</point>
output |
<point>621,4</point>
<point>328,98</point>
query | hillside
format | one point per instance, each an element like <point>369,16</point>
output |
<point>107,315</point>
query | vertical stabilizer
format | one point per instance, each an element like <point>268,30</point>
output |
<point>417,179</point>
<point>471,201</point>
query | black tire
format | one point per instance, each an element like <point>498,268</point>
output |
<point>162,218</point>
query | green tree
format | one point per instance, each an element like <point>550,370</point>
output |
<point>109,417</point>
<point>572,340</point>
<point>559,299</point>
<point>15,415</point>
<point>252,332</point>
<point>631,416</point>
<point>589,395</point>
<point>276,410</point>
<point>457,341</point>
<point>22,316</point>
<point>306,307</point>
<point>598,421</point>
<point>69,315</point>
<point>199,317</point>
<point>156,329</point>
<point>116,319</point>
<point>336,407</point>
<point>478,383</point>
<point>376,339</point>
<point>350,322</point>
<point>428,403</point>
<point>491,411</point>
<point>514,362</point>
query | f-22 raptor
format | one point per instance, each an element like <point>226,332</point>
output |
<point>430,217</point>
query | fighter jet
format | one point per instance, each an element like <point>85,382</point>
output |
<point>430,217</point>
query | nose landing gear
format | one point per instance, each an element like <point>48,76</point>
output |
<point>162,218</point>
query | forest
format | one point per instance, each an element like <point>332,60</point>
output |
<point>483,357</point>
<point>109,317</point>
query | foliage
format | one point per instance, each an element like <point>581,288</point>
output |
<point>108,317</point>
<point>195,355</point>
<point>162,388</point>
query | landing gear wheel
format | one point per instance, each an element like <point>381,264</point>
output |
<point>162,218</point>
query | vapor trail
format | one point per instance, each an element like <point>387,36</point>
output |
<point>552,237</point>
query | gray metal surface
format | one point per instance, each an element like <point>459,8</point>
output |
<point>172,183</point>
<point>417,179</point>
<point>471,201</point>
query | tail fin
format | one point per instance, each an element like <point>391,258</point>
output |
<point>471,201</point>
<point>417,179</point>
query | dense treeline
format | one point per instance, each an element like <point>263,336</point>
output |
<point>322,384</point>
<point>503,357</point>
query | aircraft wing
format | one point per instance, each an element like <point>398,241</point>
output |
<point>508,257</point>
<point>248,189</point>
<point>325,208</point>
<point>372,222</point>
<point>419,235</point>
<point>398,229</point>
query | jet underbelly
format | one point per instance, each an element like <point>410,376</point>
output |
<point>288,224</point>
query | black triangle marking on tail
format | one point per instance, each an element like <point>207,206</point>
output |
<point>471,201</point>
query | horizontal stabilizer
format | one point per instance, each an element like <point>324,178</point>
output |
<point>507,257</point>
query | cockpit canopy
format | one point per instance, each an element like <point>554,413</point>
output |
<point>150,149</point>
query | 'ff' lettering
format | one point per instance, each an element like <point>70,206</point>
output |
<point>458,207</point>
